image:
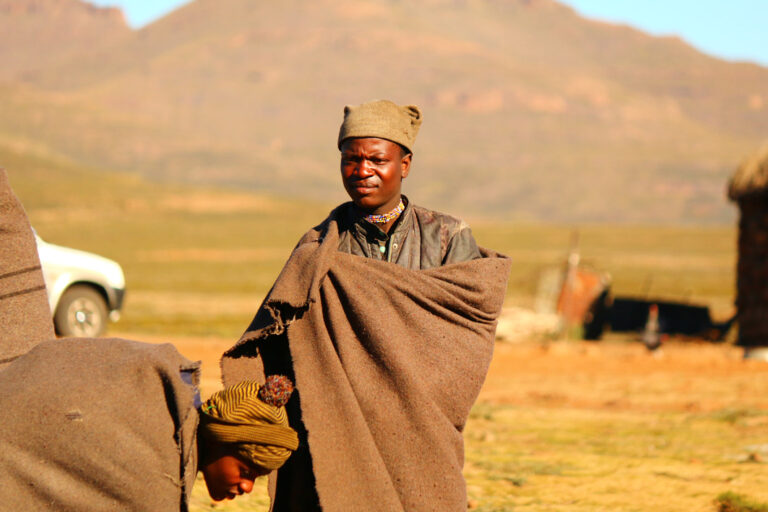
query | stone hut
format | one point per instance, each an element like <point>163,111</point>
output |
<point>749,188</point>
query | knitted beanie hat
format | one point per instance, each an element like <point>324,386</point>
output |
<point>253,418</point>
<point>381,119</point>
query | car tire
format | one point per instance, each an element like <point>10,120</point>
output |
<point>82,312</point>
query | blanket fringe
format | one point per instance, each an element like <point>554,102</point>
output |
<point>283,314</point>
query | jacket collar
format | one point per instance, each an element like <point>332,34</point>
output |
<point>356,220</point>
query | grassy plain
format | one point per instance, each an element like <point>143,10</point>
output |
<point>578,426</point>
<point>559,425</point>
<point>198,260</point>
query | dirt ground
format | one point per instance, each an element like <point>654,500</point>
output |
<point>585,426</point>
<point>681,376</point>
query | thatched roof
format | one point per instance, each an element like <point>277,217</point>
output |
<point>751,177</point>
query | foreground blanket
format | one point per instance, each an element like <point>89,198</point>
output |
<point>25,316</point>
<point>387,361</point>
<point>98,425</point>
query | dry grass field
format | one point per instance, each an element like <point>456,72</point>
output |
<point>559,425</point>
<point>580,426</point>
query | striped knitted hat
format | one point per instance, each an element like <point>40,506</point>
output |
<point>257,426</point>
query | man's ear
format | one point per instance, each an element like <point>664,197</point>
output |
<point>405,165</point>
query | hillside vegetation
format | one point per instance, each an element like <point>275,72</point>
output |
<point>198,260</point>
<point>531,112</point>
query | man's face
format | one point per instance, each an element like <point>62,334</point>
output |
<point>372,170</point>
<point>229,476</point>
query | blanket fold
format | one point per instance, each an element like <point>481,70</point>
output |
<point>98,424</point>
<point>25,315</point>
<point>387,361</point>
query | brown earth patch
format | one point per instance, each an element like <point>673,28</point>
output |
<point>682,376</point>
<point>592,426</point>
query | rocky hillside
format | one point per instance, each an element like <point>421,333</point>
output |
<point>530,110</point>
<point>38,34</point>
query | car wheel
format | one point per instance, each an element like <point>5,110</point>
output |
<point>82,312</point>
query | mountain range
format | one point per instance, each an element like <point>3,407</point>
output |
<point>531,112</point>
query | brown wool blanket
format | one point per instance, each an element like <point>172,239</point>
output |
<point>387,361</point>
<point>98,425</point>
<point>25,316</point>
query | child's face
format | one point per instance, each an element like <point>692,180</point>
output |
<point>229,476</point>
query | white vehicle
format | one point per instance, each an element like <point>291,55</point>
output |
<point>84,290</point>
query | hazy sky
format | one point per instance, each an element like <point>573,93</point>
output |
<point>731,29</point>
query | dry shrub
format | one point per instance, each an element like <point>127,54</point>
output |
<point>732,502</point>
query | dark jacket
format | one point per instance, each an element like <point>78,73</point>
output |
<point>420,239</point>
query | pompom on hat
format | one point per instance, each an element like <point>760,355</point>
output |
<point>382,119</point>
<point>253,418</point>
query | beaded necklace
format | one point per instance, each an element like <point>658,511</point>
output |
<point>386,217</point>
